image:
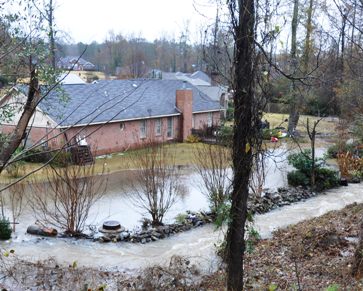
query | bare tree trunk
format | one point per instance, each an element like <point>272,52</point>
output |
<point>309,29</point>
<point>51,34</point>
<point>243,20</point>
<point>312,136</point>
<point>294,110</point>
<point>30,105</point>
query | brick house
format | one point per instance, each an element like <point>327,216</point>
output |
<point>75,63</point>
<point>112,116</point>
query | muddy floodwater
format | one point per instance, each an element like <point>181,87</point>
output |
<point>197,244</point>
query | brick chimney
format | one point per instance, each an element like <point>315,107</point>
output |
<point>184,102</point>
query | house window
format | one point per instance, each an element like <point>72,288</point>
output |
<point>158,126</point>
<point>210,119</point>
<point>142,128</point>
<point>170,131</point>
<point>122,126</point>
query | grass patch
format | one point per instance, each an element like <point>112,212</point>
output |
<point>278,119</point>
<point>184,156</point>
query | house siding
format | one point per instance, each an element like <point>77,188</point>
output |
<point>39,134</point>
<point>201,119</point>
<point>112,137</point>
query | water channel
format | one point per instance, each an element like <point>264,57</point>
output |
<point>197,244</point>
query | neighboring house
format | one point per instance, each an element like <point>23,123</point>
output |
<point>202,76</point>
<point>197,79</point>
<point>75,63</point>
<point>112,116</point>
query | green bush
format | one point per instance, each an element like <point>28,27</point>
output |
<point>230,114</point>
<point>325,178</point>
<point>230,111</point>
<point>225,135</point>
<point>4,138</point>
<point>61,159</point>
<point>297,178</point>
<point>37,155</point>
<point>5,229</point>
<point>302,161</point>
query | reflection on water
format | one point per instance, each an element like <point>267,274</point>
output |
<point>197,244</point>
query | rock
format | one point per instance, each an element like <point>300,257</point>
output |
<point>343,182</point>
<point>354,180</point>
<point>105,239</point>
<point>43,231</point>
<point>199,223</point>
<point>143,241</point>
<point>153,238</point>
<point>124,235</point>
<point>155,234</point>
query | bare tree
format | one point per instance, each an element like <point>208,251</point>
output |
<point>16,201</point>
<point>246,121</point>
<point>66,198</point>
<point>294,102</point>
<point>156,184</point>
<point>213,164</point>
<point>47,13</point>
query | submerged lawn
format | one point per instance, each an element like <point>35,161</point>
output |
<point>184,151</point>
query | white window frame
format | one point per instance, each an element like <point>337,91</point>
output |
<point>210,119</point>
<point>122,126</point>
<point>143,128</point>
<point>170,128</point>
<point>158,126</point>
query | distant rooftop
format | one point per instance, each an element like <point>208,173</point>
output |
<point>70,79</point>
<point>198,78</point>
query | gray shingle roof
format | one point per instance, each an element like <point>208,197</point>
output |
<point>120,100</point>
<point>214,92</point>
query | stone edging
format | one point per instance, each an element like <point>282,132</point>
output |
<point>261,204</point>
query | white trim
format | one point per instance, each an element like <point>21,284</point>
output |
<point>143,128</point>
<point>120,120</point>
<point>158,125</point>
<point>206,111</point>
<point>171,129</point>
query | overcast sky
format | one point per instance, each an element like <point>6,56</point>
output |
<point>92,20</point>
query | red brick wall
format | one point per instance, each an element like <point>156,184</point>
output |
<point>38,134</point>
<point>201,119</point>
<point>112,138</point>
<point>184,102</point>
